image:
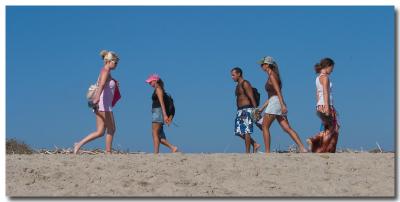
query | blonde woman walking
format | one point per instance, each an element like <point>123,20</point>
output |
<point>105,97</point>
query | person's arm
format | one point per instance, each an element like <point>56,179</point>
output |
<point>170,119</point>
<point>325,85</point>
<point>160,95</point>
<point>102,81</point>
<point>248,90</point>
<point>264,105</point>
<point>275,85</point>
<point>317,98</point>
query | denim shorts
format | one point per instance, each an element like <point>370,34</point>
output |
<point>157,116</point>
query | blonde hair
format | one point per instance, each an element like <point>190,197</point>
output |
<point>108,55</point>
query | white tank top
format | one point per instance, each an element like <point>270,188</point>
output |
<point>320,91</point>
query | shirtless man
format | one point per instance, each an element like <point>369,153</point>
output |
<point>245,102</point>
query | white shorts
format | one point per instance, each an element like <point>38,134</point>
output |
<point>274,106</point>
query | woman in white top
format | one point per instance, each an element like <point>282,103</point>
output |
<point>326,139</point>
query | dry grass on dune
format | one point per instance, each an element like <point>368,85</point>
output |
<point>14,146</point>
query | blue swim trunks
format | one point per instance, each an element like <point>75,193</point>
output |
<point>243,122</point>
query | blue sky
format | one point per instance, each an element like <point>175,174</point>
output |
<point>52,56</point>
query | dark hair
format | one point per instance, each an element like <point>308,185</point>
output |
<point>161,83</point>
<point>325,62</point>
<point>238,70</point>
<point>274,68</point>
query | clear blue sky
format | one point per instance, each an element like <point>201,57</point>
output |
<point>52,55</point>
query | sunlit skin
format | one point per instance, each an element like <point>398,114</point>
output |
<point>104,120</point>
<point>324,79</point>
<point>328,138</point>
<point>156,127</point>
<point>243,100</point>
<point>282,120</point>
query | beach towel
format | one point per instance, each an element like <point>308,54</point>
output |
<point>117,94</point>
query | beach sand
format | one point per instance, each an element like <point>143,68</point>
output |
<point>201,175</point>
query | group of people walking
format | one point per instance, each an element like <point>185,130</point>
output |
<point>248,113</point>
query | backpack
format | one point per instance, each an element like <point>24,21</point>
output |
<point>255,93</point>
<point>169,105</point>
<point>256,96</point>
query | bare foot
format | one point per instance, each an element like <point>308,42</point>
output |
<point>256,147</point>
<point>174,149</point>
<point>303,150</point>
<point>309,142</point>
<point>76,148</point>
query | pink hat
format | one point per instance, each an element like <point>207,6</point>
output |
<point>153,77</point>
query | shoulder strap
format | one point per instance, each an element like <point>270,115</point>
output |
<point>163,91</point>
<point>98,79</point>
<point>97,82</point>
<point>244,90</point>
<point>322,74</point>
<point>325,75</point>
<point>241,84</point>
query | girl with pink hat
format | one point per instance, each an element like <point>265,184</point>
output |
<point>159,114</point>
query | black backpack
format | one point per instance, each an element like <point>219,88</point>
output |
<point>256,96</point>
<point>169,105</point>
<point>255,93</point>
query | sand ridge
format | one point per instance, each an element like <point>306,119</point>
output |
<point>202,175</point>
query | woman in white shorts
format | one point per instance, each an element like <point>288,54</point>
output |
<point>275,107</point>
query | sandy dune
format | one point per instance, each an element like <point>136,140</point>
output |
<point>212,175</point>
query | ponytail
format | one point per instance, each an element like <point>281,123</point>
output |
<point>325,62</point>
<point>108,55</point>
<point>317,68</point>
